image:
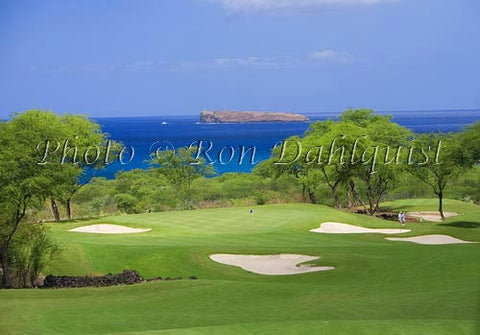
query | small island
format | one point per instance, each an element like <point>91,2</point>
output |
<point>207,116</point>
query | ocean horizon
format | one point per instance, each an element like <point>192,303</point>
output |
<point>148,133</point>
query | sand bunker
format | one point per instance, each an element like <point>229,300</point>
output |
<point>283,264</point>
<point>429,239</point>
<point>343,228</point>
<point>108,229</point>
<point>431,216</point>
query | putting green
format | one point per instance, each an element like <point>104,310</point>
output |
<point>377,287</point>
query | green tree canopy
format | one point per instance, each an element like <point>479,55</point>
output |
<point>180,168</point>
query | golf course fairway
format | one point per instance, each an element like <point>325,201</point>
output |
<point>376,286</point>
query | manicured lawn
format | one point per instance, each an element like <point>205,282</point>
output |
<point>378,286</point>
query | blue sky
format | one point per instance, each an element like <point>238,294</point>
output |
<point>131,58</point>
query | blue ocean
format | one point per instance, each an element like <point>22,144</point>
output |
<point>147,134</point>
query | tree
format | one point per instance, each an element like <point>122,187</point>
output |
<point>42,156</point>
<point>88,149</point>
<point>96,197</point>
<point>180,168</point>
<point>333,155</point>
<point>441,167</point>
<point>24,183</point>
<point>342,155</point>
<point>382,142</point>
<point>455,155</point>
<point>468,145</point>
<point>466,186</point>
<point>287,161</point>
<point>320,157</point>
<point>32,250</point>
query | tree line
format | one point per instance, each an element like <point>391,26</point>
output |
<point>353,170</point>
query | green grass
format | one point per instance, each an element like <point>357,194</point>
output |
<point>378,286</point>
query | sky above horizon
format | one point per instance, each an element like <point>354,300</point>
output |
<point>147,57</point>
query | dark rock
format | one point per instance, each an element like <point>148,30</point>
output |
<point>127,277</point>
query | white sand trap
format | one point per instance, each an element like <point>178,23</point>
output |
<point>429,239</point>
<point>343,228</point>
<point>283,264</point>
<point>108,229</point>
<point>431,216</point>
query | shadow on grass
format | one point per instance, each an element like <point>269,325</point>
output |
<point>462,224</point>
<point>396,208</point>
<point>84,219</point>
